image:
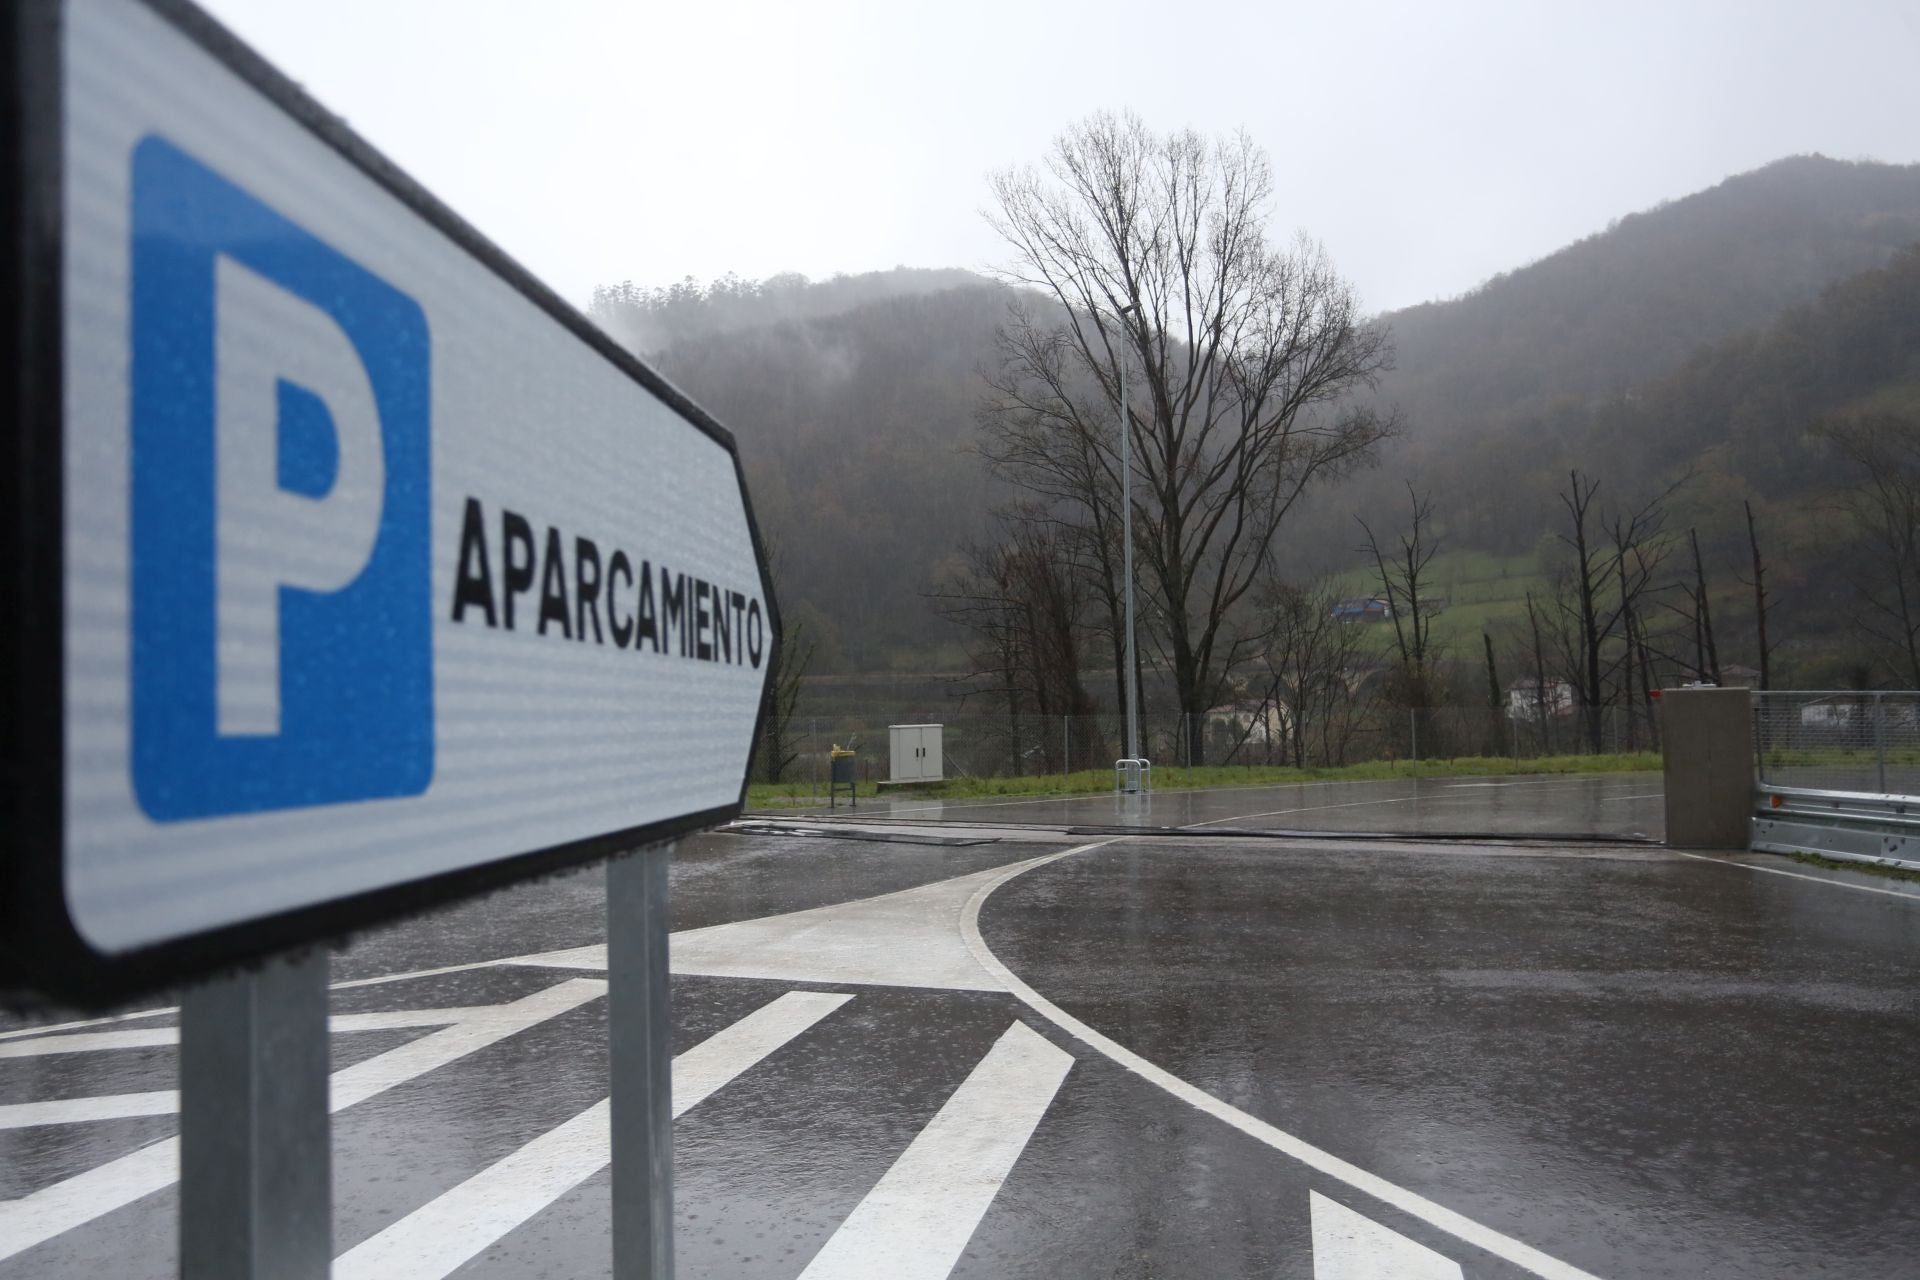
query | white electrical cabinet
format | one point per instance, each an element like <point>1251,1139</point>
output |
<point>916,752</point>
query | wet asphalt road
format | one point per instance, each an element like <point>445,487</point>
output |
<point>1451,1060</point>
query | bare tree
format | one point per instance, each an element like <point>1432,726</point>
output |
<point>1639,554</point>
<point>1496,701</point>
<point>1061,449</point>
<point>1539,674</point>
<point>1759,585</point>
<point>1629,548</point>
<point>1021,604</point>
<point>981,597</point>
<point>1706,653</point>
<point>1153,253</point>
<point>777,748</point>
<point>1309,658</point>
<point>1403,580</point>
<point>1886,514</point>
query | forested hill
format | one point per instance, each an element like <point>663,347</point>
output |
<point>1614,310</point>
<point>1741,415</point>
<point>856,425</point>
<point>649,320</point>
<point>1709,333</point>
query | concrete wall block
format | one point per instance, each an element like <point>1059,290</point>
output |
<point>1708,736</point>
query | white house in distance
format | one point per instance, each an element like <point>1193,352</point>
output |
<point>1259,723</point>
<point>1526,698</point>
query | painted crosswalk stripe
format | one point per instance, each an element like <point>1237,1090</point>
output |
<point>1352,1246</point>
<point>165,1037</point>
<point>75,1201</point>
<point>442,1235</point>
<point>112,1106</point>
<point>917,1220</point>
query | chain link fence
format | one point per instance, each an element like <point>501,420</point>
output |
<point>977,745</point>
<point>1867,742</point>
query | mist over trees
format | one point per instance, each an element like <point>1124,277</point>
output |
<point>651,319</point>
<point>1612,312</point>
<point>1730,336</point>
<point>856,430</point>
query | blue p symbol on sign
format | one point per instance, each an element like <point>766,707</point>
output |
<point>282,619</point>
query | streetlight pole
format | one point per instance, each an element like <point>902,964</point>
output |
<point>1126,551</point>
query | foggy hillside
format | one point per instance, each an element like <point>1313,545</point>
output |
<point>1522,367</point>
<point>1694,334</point>
<point>853,401</point>
<point>648,320</point>
<point>1618,308</point>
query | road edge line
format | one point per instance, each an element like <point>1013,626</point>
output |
<point>1454,1224</point>
<point>1725,861</point>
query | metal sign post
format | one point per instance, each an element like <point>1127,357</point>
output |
<point>640,1062</point>
<point>256,1184</point>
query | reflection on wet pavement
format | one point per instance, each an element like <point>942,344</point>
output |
<point>1480,1060</point>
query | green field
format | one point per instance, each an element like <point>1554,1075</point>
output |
<point>1483,592</point>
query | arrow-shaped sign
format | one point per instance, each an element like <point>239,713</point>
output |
<point>351,568</point>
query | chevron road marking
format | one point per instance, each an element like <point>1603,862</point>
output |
<point>442,1235</point>
<point>75,1201</point>
<point>1351,1246</point>
<point>916,1221</point>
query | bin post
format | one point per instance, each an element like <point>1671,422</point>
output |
<point>840,773</point>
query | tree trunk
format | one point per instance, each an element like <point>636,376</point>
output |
<point>1760,601</point>
<point>1539,676</point>
<point>1495,703</point>
<point>1703,613</point>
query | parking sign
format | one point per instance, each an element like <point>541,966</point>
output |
<point>350,568</point>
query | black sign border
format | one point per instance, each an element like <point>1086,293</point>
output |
<point>41,951</point>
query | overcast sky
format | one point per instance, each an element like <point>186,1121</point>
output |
<point>1429,145</point>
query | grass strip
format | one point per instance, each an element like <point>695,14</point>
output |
<point>1868,868</point>
<point>787,795</point>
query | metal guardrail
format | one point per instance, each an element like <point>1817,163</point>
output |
<point>1847,825</point>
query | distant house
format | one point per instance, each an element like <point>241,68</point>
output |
<point>1527,698</point>
<point>1830,713</point>
<point>1367,609</point>
<point>1255,722</point>
<point>1855,714</point>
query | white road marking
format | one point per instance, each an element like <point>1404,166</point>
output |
<point>1309,808</point>
<point>346,985</point>
<point>1555,780</point>
<point>442,1235</point>
<point>1410,1202</point>
<point>75,1201</point>
<point>91,1042</point>
<point>20,1033</point>
<point>1644,795</point>
<point>1434,797</point>
<point>916,1221</point>
<point>114,1106</point>
<point>382,980</point>
<point>1722,860</point>
<point>910,938</point>
<point>1351,1246</point>
<point>154,1037</point>
<point>163,1102</point>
